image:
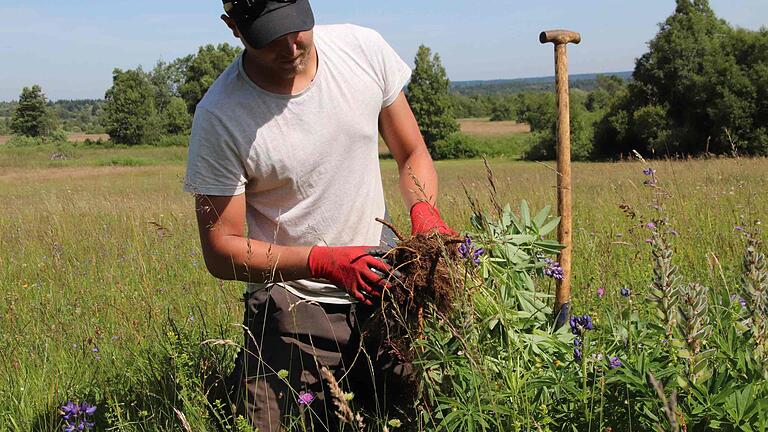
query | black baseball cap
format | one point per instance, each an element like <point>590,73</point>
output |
<point>262,21</point>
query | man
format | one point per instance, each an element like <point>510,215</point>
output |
<point>286,141</point>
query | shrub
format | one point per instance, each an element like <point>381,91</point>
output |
<point>456,146</point>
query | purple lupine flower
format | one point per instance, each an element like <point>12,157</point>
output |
<point>649,171</point>
<point>577,342</point>
<point>553,269</point>
<point>477,254</point>
<point>741,300</point>
<point>577,355</point>
<point>615,363</point>
<point>581,325</point>
<point>625,292</point>
<point>468,250</point>
<point>306,397</point>
<point>601,292</point>
<point>77,417</point>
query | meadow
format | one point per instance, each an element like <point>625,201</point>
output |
<point>105,297</point>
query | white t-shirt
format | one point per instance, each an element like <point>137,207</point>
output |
<point>307,163</point>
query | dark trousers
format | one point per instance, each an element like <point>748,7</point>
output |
<point>287,342</point>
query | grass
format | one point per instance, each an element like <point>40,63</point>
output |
<point>100,263</point>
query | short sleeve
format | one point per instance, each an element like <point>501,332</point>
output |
<point>214,166</point>
<point>393,71</point>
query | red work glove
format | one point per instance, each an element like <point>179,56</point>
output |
<point>426,218</point>
<point>351,268</point>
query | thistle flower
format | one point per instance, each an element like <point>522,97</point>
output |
<point>553,269</point>
<point>625,292</point>
<point>306,397</point>
<point>614,363</point>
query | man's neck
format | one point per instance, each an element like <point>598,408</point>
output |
<point>280,83</point>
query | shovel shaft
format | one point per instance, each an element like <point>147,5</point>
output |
<point>564,195</point>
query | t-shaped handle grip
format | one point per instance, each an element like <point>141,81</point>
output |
<point>560,37</point>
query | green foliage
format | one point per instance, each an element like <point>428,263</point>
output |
<point>539,110</point>
<point>582,131</point>
<point>455,146</point>
<point>502,110</point>
<point>176,119</point>
<point>462,146</point>
<point>429,99</point>
<point>167,78</point>
<point>700,88</point>
<point>200,72</point>
<point>129,114</point>
<point>32,116</point>
<point>5,126</point>
<point>80,115</point>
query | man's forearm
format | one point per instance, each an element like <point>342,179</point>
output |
<point>248,260</point>
<point>418,178</point>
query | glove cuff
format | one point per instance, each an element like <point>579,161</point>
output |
<point>318,256</point>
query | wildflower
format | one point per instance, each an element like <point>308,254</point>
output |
<point>395,423</point>
<point>651,226</point>
<point>577,355</point>
<point>95,349</point>
<point>577,342</point>
<point>581,325</point>
<point>601,292</point>
<point>553,269</point>
<point>739,228</point>
<point>282,374</point>
<point>649,171</point>
<point>306,397</point>
<point>625,292</point>
<point>77,417</point>
<point>741,300</point>
<point>614,363</point>
<point>468,250</point>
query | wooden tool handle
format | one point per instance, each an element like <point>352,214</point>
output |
<point>559,37</point>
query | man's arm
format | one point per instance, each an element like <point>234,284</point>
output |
<point>418,178</point>
<point>230,255</point>
<point>398,126</point>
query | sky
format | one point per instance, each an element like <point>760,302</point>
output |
<point>70,47</point>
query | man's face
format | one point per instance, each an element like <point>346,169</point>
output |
<point>289,55</point>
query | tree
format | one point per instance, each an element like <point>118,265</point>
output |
<point>129,114</point>
<point>32,116</point>
<point>202,70</point>
<point>176,119</point>
<point>429,98</point>
<point>698,89</point>
<point>168,79</point>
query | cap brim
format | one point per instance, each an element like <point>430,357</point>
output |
<point>294,17</point>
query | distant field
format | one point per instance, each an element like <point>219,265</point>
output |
<point>73,137</point>
<point>485,128</point>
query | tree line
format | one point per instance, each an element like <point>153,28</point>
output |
<point>702,88</point>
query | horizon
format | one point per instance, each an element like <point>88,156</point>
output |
<point>69,70</point>
<point>495,80</point>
